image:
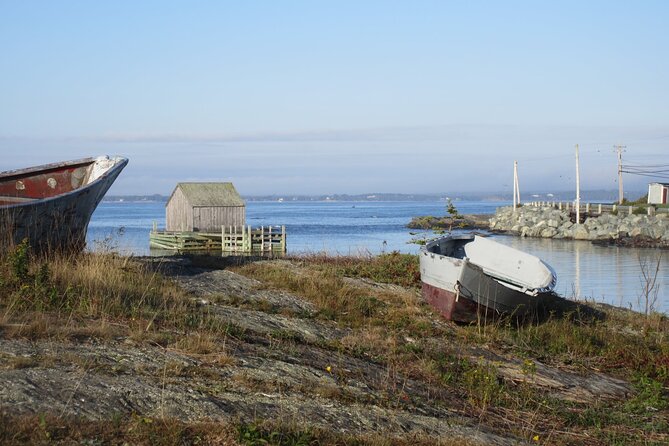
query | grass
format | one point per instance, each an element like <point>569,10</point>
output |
<point>100,296</point>
<point>399,330</point>
<point>142,430</point>
<point>393,268</point>
<point>105,296</point>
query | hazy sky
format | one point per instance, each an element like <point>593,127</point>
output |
<point>340,96</point>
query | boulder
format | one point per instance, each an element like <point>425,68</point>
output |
<point>566,225</point>
<point>547,222</point>
<point>548,232</point>
<point>580,232</point>
<point>603,235</point>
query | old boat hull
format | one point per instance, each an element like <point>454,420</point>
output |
<point>463,291</point>
<point>51,205</point>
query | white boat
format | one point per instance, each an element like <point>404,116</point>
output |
<point>469,277</point>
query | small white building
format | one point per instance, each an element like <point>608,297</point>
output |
<point>657,193</point>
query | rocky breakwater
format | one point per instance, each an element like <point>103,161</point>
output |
<point>547,222</point>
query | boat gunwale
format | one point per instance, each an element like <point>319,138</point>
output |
<point>508,282</point>
<point>122,162</point>
<point>7,174</point>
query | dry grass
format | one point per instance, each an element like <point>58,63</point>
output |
<point>394,327</point>
<point>137,430</point>
<point>140,430</point>
<point>394,268</point>
<point>85,295</point>
<point>105,296</point>
<point>339,299</point>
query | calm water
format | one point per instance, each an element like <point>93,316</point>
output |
<point>585,271</point>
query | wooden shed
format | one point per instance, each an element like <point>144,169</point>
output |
<point>204,207</point>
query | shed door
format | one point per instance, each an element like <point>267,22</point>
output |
<point>664,195</point>
<point>196,219</point>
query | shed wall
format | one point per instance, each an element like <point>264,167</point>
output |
<point>211,218</point>
<point>178,213</point>
<point>657,193</point>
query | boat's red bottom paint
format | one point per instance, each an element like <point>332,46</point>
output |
<point>464,310</point>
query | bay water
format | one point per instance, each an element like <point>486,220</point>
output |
<point>585,271</point>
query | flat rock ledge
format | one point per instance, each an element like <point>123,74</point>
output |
<point>547,222</point>
<point>283,364</point>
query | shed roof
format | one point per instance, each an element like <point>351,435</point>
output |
<point>210,194</point>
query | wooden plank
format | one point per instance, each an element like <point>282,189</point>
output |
<point>230,239</point>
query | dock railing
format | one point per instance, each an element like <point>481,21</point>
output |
<point>599,208</point>
<point>231,239</point>
<point>246,239</point>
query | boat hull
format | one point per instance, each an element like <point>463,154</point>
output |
<point>451,306</point>
<point>59,222</point>
<point>461,291</point>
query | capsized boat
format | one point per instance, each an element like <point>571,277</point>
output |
<point>469,277</point>
<point>51,205</point>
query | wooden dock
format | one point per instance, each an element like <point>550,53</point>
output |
<point>242,240</point>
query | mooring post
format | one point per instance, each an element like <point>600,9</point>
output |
<point>599,208</point>
<point>269,237</point>
<point>629,210</point>
<point>283,238</point>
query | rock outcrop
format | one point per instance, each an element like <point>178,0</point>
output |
<point>547,222</point>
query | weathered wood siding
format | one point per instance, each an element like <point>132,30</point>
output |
<point>204,207</point>
<point>178,213</point>
<point>212,218</point>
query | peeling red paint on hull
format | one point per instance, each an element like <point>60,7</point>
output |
<point>452,307</point>
<point>51,205</point>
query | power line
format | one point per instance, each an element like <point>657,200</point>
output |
<point>661,176</point>
<point>646,165</point>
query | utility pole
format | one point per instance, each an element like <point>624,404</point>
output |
<point>516,191</point>
<point>619,149</point>
<point>517,186</point>
<point>578,190</point>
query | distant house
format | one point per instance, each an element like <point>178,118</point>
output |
<point>204,207</point>
<point>657,193</point>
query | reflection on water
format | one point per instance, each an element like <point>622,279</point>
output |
<point>604,274</point>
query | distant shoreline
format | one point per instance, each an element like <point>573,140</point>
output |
<point>592,196</point>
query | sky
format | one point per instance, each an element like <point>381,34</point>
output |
<point>324,97</point>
